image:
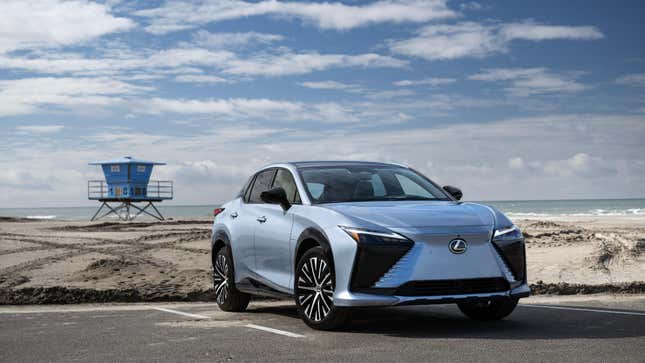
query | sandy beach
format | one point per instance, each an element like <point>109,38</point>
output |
<point>73,262</point>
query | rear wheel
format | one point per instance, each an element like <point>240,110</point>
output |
<point>314,290</point>
<point>488,310</point>
<point>227,296</point>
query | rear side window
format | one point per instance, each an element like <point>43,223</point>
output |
<point>262,183</point>
<point>284,179</point>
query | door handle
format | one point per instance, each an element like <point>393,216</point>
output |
<point>234,215</point>
<point>262,219</point>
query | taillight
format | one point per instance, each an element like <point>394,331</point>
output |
<point>217,211</point>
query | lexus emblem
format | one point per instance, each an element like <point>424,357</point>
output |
<point>458,246</point>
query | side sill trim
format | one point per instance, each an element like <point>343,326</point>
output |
<point>256,288</point>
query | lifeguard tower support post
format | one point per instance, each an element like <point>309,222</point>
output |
<point>127,182</point>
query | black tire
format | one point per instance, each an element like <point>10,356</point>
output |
<point>228,298</point>
<point>488,310</point>
<point>314,288</point>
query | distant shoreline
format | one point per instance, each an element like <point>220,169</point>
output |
<point>515,209</point>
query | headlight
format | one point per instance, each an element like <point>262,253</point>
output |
<point>507,233</point>
<point>362,235</point>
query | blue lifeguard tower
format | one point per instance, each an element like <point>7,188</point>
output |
<point>127,182</point>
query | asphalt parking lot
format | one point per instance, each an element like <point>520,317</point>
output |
<point>271,331</point>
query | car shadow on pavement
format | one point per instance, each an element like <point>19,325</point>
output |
<point>447,322</point>
<point>523,323</point>
<point>287,310</point>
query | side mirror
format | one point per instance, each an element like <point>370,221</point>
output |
<point>276,196</point>
<point>454,191</point>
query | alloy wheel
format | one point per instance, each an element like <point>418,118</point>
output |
<point>220,277</point>
<point>315,289</point>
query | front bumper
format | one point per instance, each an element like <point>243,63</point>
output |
<point>353,299</point>
<point>426,272</point>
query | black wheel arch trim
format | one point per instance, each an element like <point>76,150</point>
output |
<point>320,237</point>
<point>220,235</point>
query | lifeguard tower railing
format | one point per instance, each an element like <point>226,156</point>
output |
<point>155,190</point>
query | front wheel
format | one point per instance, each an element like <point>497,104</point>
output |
<point>314,290</point>
<point>227,296</point>
<point>488,310</point>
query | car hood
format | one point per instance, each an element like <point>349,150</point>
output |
<point>416,214</point>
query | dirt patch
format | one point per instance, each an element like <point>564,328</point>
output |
<point>64,295</point>
<point>543,224</point>
<point>557,238</point>
<point>12,246</point>
<point>179,237</point>
<point>105,265</point>
<point>20,219</point>
<point>612,249</point>
<point>118,226</point>
<point>16,259</point>
<point>13,280</point>
<point>563,288</point>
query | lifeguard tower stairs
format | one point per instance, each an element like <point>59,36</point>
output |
<point>127,186</point>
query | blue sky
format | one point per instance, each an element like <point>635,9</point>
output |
<point>508,100</point>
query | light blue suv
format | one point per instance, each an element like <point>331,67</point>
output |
<point>334,235</point>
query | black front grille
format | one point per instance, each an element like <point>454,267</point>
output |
<point>374,260</point>
<point>452,287</point>
<point>514,255</point>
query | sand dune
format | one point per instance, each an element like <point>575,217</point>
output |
<point>590,251</point>
<point>68,262</point>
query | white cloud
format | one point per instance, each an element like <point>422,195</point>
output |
<point>40,129</point>
<point>289,63</point>
<point>207,39</point>
<point>27,95</point>
<point>554,156</point>
<point>331,85</point>
<point>53,23</point>
<point>250,109</point>
<point>440,42</point>
<point>530,30</point>
<point>179,15</point>
<point>200,78</point>
<point>230,107</point>
<point>530,81</point>
<point>636,80</point>
<point>380,95</point>
<point>61,63</point>
<point>284,62</point>
<point>516,163</point>
<point>426,81</point>
<point>578,164</point>
<point>471,5</point>
<point>470,39</point>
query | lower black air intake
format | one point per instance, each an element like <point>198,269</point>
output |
<point>514,255</point>
<point>452,287</point>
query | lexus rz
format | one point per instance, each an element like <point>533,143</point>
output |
<point>338,235</point>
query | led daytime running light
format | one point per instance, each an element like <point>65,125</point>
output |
<point>356,232</point>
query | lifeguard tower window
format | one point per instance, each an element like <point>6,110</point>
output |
<point>127,182</point>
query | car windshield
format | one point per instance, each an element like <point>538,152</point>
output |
<point>361,183</point>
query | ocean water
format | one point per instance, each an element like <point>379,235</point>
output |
<point>513,208</point>
<point>85,213</point>
<point>579,207</point>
